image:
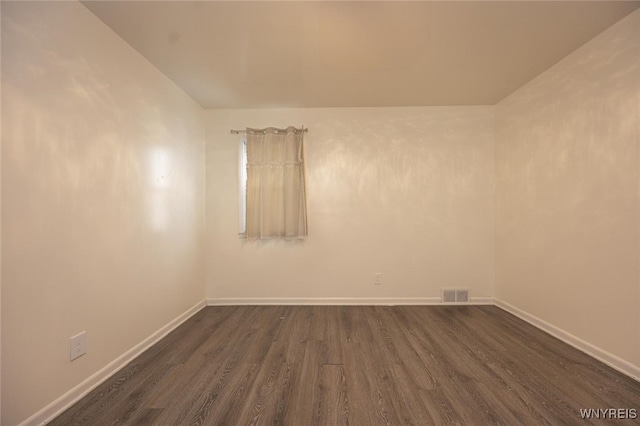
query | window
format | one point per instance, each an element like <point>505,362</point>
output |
<point>271,180</point>
<point>242,188</point>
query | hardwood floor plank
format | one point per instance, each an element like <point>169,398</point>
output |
<point>318,322</point>
<point>334,409</point>
<point>441,410</point>
<point>306,402</point>
<point>334,337</point>
<point>356,365</point>
<point>366,408</point>
<point>401,349</point>
<point>399,371</point>
<point>146,417</point>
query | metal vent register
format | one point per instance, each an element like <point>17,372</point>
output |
<point>455,295</point>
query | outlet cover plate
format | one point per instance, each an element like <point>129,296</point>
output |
<point>78,345</point>
<point>377,278</point>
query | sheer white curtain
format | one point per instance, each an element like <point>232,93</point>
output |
<point>276,206</point>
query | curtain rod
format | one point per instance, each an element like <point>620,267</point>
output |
<point>236,132</point>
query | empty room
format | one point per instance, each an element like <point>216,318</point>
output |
<point>320,212</point>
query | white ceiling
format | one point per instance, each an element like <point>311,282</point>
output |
<point>264,54</point>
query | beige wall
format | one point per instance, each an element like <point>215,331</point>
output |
<point>407,192</point>
<point>102,209</point>
<point>567,196</point>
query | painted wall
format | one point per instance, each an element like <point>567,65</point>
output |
<point>408,192</point>
<point>103,200</point>
<point>567,208</point>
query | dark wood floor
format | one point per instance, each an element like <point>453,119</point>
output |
<point>358,365</point>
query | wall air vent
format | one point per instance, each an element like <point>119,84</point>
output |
<point>455,295</point>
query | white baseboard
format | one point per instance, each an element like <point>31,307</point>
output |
<point>56,408</point>
<point>481,300</point>
<point>607,358</point>
<point>345,301</point>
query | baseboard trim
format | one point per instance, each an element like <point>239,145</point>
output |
<point>481,300</point>
<point>601,355</point>
<point>344,301</point>
<point>56,408</point>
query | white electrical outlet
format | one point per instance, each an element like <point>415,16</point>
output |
<point>78,345</point>
<point>377,278</point>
